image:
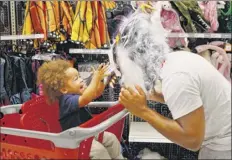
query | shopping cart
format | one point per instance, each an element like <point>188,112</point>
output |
<point>32,131</point>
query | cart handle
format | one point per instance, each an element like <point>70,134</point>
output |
<point>10,109</point>
<point>70,138</point>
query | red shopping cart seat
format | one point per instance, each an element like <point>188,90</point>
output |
<point>37,101</point>
<point>39,116</point>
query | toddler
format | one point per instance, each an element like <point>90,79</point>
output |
<point>62,82</point>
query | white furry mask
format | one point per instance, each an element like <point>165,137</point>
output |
<point>132,74</point>
<point>141,50</point>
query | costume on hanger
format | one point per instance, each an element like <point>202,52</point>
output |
<point>109,5</point>
<point>8,73</point>
<point>2,86</point>
<point>90,25</point>
<point>218,59</point>
<point>171,22</point>
<point>191,19</point>
<point>225,18</point>
<point>191,16</point>
<point>209,9</point>
<point>53,18</point>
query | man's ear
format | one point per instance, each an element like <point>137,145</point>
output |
<point>64,90</point>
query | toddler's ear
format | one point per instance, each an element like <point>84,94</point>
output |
<point>64,90</point>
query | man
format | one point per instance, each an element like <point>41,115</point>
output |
<point>198,96</point>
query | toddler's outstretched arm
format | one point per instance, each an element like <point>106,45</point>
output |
<point>91,91</point>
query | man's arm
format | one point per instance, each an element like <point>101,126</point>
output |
<point>182,95</point>
<point>187,131</point>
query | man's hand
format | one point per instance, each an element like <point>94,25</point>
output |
<point>136,103</point>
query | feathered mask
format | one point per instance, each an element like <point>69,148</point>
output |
<point>139,50</point>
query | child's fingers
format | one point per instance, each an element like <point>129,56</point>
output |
<point>100,66</point>
<point>105,67</point>
<point>108,64</point>
<point>111,85</point>
<point>114,77</point>
<point>112,81</point>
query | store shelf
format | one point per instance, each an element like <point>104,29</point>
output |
<point>105,51</point>
<point>89,51</point>
<point>199,35</point>
<point>144,132</point>
<point>21,37</point>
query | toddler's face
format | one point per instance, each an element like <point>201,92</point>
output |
<point>74,84</point>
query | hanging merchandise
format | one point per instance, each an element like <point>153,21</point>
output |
<point>209,9</point>
<point>16,79</point>
<point>165,16</point>
<point>18,74</point>
<point>109,5</point>
<point>191,16</point>
<point>225,18</point>
<point>116,16</point>
<point>3,92</point>
<point>218,58</point>
<point>146,6</point>
<point>54,19</point>
<point>82,32</point>
<point>192,20</point>
<point>90,26</point>
<point>171,22</point>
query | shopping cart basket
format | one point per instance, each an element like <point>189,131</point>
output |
<point>32,131</point>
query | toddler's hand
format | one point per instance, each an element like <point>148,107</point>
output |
<point>100,73</point>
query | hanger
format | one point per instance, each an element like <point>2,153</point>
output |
<point>134,5</point>
<point>44,56</point>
